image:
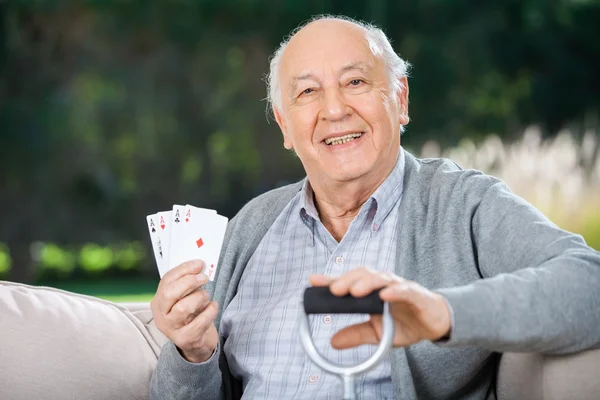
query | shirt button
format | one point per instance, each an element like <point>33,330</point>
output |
<point>339,260</point>
<point>375,227</point>
<point>327,319</point>
<point>313,378</point>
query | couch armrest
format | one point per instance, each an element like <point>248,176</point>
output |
<point>142,312</point>
<point>134,307</point>
<point>539,377</point>
<point>60,345</point>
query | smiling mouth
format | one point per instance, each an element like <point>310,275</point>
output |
<point>343,139</point>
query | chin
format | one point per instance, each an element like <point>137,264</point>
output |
<point>349,174</point>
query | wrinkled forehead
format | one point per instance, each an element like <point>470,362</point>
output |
<point>326,51</point>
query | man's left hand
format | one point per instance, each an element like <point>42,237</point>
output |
<point>418,313</point>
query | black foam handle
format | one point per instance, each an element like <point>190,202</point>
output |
<point>319,300</point>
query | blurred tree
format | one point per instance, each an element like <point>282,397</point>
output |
<point>113,110</point>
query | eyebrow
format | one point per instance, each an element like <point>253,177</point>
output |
<point>357,65</point>
<point>353,66</point>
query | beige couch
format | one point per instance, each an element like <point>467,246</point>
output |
<point>59,345</point>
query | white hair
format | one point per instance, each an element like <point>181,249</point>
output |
<point>378,43</point>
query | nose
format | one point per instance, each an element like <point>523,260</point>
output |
<point>334,106</point>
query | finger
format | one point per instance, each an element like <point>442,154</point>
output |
<point>369,283</point>
<point>355,335</point>
<point>320,280</point>
<point>198,325</point>
<point>430,309</point>
<point>341,285</point>
<point>188,267</point>
<point>188,308</point>
<point>177,290</point>
<point>409,293</point>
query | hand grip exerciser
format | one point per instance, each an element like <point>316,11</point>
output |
<point>319,300</point>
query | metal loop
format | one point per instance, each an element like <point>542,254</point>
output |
<point>346,373</point>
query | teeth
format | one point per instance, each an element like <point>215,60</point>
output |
<point>343,139</point>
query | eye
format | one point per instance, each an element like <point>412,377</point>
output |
<point>356,82</point>
<point>307,91</point>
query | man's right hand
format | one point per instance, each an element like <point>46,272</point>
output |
<point>183,311</point>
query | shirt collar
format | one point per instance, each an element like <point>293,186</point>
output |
<point>383,199</point>
<point>307,201</point>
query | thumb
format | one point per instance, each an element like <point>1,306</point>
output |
<point>355,335</point>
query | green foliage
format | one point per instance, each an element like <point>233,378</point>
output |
<point>591,229</point>
<point>57,260</point>
<point>94,258</point>
<point>129,256</point>
<point>5,260</point>
<point>586,224</point>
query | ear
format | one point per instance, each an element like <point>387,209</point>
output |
<point>403,101</point>
<point>287,141</point>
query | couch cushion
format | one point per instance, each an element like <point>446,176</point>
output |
<point>59,345</point>
<point>539,377</point>
<point>573,377</point>
<point>520,376</point>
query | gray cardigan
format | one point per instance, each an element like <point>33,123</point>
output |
<point>514,280</point>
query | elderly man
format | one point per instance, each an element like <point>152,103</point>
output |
<point>469,269</point>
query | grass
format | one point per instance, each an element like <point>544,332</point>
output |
<point>137,290</point>
<point>128,298</point>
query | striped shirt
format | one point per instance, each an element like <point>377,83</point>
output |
<point>260,325</point>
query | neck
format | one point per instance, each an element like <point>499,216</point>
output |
<point>339,202</point>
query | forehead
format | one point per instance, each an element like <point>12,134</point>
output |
<point>326,47</point>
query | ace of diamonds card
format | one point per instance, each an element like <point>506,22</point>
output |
<point>200,236</point>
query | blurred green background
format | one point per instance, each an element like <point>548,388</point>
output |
<point>112,110</point>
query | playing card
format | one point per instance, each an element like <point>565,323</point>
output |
<point>165,220</point>
<point>155,238</point>
<point>176,218</point>
<point>182,216</point>
<point>200,236</point>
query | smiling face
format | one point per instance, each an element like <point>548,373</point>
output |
<point>333,110</point>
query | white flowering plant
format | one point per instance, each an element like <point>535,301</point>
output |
<point>560,176</point>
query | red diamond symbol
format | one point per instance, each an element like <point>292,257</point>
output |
<point>199,243</point>
<point>187,220</point>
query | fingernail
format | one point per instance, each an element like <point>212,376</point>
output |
<point>202,277</point>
